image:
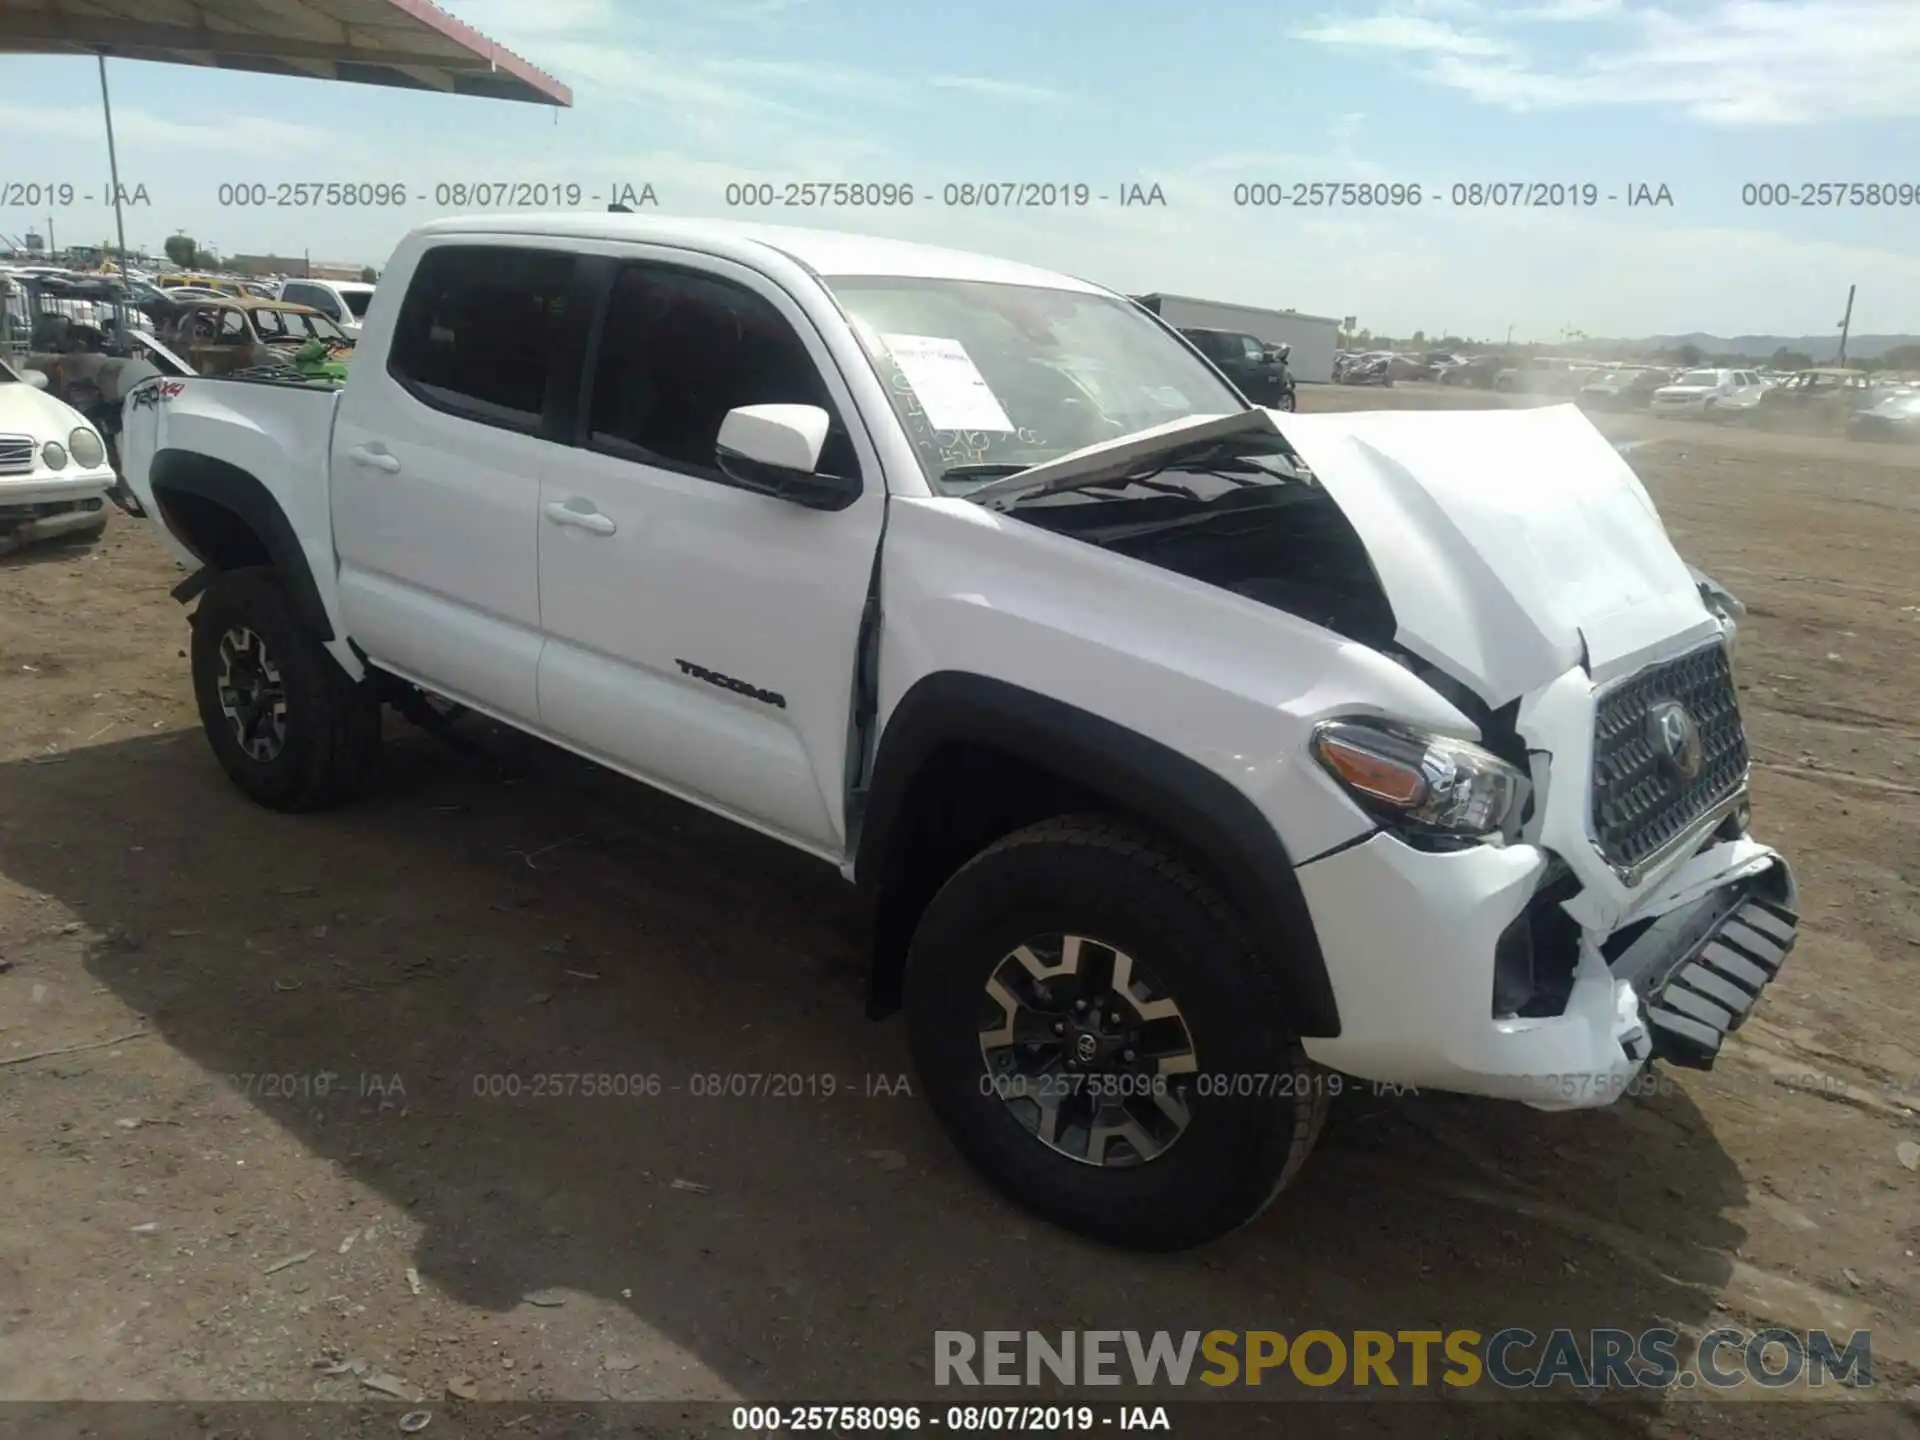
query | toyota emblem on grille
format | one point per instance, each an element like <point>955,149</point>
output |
<point>1675,736</point>
<point>1085,1046</point>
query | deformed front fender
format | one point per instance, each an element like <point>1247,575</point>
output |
<point>1198,809</point>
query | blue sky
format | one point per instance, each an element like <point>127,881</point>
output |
<point>1701,96</point>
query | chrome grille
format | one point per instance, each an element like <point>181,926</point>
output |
<point>1641,804</point>
<point>16,454</point>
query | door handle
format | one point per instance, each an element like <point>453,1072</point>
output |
<point>374,459</point>
<point>591,520</point>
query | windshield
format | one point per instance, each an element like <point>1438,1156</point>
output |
<point>357,301</point>
<point>1000,376</point>
<point>1699,377</point>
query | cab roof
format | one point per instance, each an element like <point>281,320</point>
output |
<point>825,252</point>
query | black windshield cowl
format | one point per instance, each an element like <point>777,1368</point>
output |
<point>1203,470</point>
<point>997,470</point>
<point>1256,524</point>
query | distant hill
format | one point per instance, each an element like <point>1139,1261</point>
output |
<point>1820,347</point>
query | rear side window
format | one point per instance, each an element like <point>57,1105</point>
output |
<point>479,329</point>
<point>357,302</point>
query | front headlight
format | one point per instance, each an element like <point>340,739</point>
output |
<point>53,455</point>
<point>85,447</point>
<point>1421,781</point>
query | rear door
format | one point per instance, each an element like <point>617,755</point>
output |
<point>699,635</point>
<point>436,465</point>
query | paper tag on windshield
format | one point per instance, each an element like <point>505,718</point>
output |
<point>952,392</point>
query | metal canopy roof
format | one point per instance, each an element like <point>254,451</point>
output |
<point>410,44</point>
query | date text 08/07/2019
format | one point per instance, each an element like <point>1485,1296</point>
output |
<point>478,194</point>
<point>983,194</point>
<point>957,1419</point>
<point>1458,195</point>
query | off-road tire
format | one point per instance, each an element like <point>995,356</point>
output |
<point>1100,877</point>
<point>332,724</point>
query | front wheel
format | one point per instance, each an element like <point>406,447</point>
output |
<point>1101,1040</point>
<point>1287,400</point>
<point>285,721</point>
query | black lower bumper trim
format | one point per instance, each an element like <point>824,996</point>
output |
<point>1701,970</point>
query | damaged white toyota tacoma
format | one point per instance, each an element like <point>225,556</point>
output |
<point>1193,755</point>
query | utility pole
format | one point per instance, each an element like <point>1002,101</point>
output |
<point>113,164</point>
<point>1846,323</point>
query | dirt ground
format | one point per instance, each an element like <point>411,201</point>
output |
<point>289,1125</point>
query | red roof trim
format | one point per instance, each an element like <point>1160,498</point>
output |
<point>461,33</point>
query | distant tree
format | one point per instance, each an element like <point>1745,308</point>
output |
<point>1785,359</point>
<point>368,274</point>
<point>1902,357</point>
<point>1419,339</point>
<point>181,249</point>
<point>1690,355</point>
<point>206,260</point>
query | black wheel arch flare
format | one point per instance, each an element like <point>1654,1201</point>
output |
<point>186,472</point>
<point>1215,823</point>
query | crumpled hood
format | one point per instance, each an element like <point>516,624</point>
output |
<point>1512,544</point>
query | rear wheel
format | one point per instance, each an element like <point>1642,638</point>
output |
<point>285,721</point>
<point>1101,1040</point>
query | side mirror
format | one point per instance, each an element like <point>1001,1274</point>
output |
<point>773,449</point>
<point>1283,353</point>
<point>36,378</point>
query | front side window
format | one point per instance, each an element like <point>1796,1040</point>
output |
<point>478,331</point>
<point>1000,376</point>
<point>679,350</point>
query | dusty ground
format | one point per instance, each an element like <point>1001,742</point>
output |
<point>305,1013</point>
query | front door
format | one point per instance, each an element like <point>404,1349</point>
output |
<point>699,635</point>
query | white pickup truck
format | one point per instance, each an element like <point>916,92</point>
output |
<point>1193,755</point>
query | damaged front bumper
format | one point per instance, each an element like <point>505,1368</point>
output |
<point>1461,971</point>
<point>1702,966</point>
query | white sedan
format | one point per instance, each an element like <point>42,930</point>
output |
<point>1697,393</point>
<point>54,474</point>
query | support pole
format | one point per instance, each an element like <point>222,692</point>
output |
<point>113,164</point>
